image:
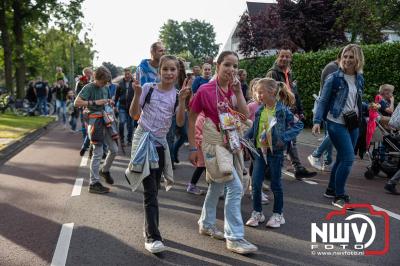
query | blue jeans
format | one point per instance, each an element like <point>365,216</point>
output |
<point>42,105</point>
<point>124,118</point>
<point>325,148</point>
<point>72,122</point>
<point>182,137</point>
<point>233,223</point>
<point>61,110</point>
<point>275,162</point>
<point>344,142</point>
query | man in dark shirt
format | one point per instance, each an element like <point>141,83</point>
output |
<point>61,91</point>
<point>41,91</point>
<point>123,98</point>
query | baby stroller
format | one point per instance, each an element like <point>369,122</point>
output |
<point>384,153</point>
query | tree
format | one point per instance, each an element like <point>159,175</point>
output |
<point>172,37</point>
<point>261,32</point>
<point>6,43</point>
<point>49,49</point>
<point>306,24</point>
<point>195,37</point>
<point>311,24</point>
<point>378,15</point>
<point>200,38</point>
<point>37,14</point>
<point>113,69</point>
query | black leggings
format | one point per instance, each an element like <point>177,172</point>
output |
<point>150,192</point>
<point>197,174</point>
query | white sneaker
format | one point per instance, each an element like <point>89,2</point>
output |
<point>255,219</point>
<point>155,247</point>
<point>264,198</point>
<point>276,220</point>
<point>315,162</point>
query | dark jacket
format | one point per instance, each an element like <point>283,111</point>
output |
<point>285,129</point>
<point>124,95</point>
<point>61,92</point>
<point>277,74</point>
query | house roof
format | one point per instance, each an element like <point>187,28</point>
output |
<point>255,8</point>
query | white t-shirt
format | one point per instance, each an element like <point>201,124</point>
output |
<point>157,115</point>
<point>351,103</point>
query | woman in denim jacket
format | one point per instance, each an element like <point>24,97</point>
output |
<point>341,94</point>
<point>271,140</point>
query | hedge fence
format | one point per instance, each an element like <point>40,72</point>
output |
<point>382,65</point>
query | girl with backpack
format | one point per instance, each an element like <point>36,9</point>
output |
<point>150,156</point>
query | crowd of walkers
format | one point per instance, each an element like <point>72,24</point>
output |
<point>226,124</point>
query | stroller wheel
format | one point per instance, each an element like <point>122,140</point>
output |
<point>369,174</point>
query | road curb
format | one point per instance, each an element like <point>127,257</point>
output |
<point>17,146</point>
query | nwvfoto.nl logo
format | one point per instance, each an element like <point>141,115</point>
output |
<point>356,232</point>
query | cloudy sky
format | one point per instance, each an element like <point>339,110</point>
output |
<point>123,30</point>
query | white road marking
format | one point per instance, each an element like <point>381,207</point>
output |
<point>310,182</point>
<point>391,214</point>
<point>84,161</point>
<point>61,252</point>
<point>76,191</point>
<point>288,173</point>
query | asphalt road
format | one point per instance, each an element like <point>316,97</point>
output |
<point>36,201</point>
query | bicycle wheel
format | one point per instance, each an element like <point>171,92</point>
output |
<point>50,108</point>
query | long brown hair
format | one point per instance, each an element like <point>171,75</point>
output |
<point>284,95</point>
<point>179,65</point>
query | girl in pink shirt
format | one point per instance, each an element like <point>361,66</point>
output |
<point>224,90</point>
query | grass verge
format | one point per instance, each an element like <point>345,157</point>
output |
<point>13,127</point>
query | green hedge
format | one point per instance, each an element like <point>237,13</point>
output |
<point>382,65</point>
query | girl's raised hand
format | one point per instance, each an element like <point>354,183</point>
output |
<point>184,93</point>
<point>186,89</point>
<point>137,87</point>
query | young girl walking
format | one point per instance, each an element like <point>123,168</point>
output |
<point>214,99</point>
<point>150,156</point>
<point>273,128</point>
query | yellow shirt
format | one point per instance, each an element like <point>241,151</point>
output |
<point>265,140</point>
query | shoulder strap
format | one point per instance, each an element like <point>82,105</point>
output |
<point>176,101</point>
<point>148,96</point>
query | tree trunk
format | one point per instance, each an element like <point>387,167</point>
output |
<point>20,68</point>
<point>5,39</point>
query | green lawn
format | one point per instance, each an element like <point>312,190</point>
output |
<point>15,127</point>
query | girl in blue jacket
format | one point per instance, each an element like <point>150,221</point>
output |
<point>273,128</point>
